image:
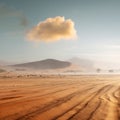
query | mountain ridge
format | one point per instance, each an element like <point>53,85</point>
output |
<point>44,64</point>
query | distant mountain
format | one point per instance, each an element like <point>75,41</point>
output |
<point>44,64</point>
<point>82,63</point>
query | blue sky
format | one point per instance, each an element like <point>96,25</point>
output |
<point>97,23</point>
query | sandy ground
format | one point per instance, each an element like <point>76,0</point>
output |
<point>60,98</point>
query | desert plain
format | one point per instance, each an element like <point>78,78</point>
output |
<point>60,97</point>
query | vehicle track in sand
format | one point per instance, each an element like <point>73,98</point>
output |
<point>60,98</point>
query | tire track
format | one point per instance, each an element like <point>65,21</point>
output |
<point>118,105</point>
<point>73,107</point>
<point>93,112</point>
<point>38,96</point>
<point>111,111</point>
<point>47,106</point>
<point>67,105</point>
<point>82,99</point>
<point>118,102</point>
<point>51,105</point>
<point>103,89</point>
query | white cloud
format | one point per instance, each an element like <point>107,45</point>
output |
<point>53,29</point>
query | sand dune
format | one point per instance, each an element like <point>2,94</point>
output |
<point>60,98</point>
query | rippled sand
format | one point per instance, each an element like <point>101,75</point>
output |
<point>60,98</point>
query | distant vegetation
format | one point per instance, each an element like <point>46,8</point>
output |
<point>111,71</point>
<point>98,70</point>
<point>1,70</point>
<point>18,69</point>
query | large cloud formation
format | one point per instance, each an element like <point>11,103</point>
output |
<point>53,29</point>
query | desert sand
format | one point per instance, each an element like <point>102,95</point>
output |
<point>85,97</point>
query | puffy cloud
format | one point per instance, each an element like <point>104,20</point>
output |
<point>53,29</point>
